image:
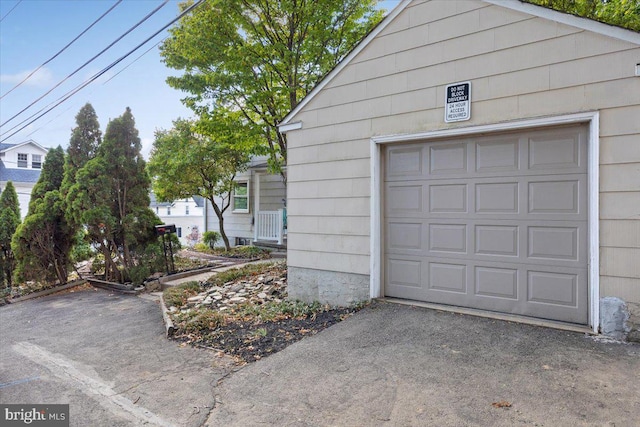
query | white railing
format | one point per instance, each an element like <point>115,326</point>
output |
<point>270,226</point>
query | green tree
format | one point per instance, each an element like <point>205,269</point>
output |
<point>111,198</point>
<point>622,13</point>
<point>83,146</point>
<point>261,57</point>
<point>85,139</point>
<point>42,243</point>
<point>9,222</point>
<point>184,163</point>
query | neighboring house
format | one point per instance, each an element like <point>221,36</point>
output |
<point>531,207</point>
<point>21,164</point>
<point>187,215</point>
<point>257,214</point>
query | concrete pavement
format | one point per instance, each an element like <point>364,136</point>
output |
<point>107,356</point>
<point>395,365</point>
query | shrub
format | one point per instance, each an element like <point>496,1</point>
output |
<point>210,238</point>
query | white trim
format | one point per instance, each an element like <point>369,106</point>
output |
<point>592,118</point>
<point>22,144</point>
<point>568,19</point>
<point>375,260</point>
<point>284,128</point>
<point>593,213</point>
<point>338,68</point>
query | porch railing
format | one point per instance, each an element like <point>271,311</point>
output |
<point>270,225</point>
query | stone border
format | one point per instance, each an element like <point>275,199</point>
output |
<point>168,323</point>
<point>46,291</point>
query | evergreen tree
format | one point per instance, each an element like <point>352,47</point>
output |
<point>9,221</point>
<point>42,243</point>
<point>111,198</point>
<point>83,146</point>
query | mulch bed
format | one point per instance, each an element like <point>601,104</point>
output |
<point>249,341</point>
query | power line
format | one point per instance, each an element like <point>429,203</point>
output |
<point>113,64</point>
<point>7,14</point>
<point>107,81</point>
<point>63,49</point>
<point>87,63</point>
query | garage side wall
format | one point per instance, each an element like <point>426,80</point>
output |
<point>520,67</point>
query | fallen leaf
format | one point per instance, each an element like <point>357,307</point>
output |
<point>501,404</point>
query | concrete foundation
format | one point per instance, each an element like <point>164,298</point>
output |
<point>328,287</point>
<point>614,315</point>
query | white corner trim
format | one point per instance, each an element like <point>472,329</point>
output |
<point>593,214</point>
<point>375,258</point>
<point>568,19</point>
<point>591,118</point>
<point>284,128</point>
<point>342,64</point>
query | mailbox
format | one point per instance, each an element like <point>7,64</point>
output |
<point>163,229</point>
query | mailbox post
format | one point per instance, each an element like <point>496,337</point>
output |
<point>162,230</point>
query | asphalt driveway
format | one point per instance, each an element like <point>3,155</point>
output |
<point>408,366</point>
<point>107,356</point>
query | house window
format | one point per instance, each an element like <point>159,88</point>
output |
<point>179,231</point>
<point>157,210</point>
<point>168,210</point>
<point>241,197</point>
<point>186,210</point>
<point>22,160</point>
<point>36,161</point>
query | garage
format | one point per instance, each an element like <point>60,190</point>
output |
<point>494,222</point>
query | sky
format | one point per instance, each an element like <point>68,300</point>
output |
<point>32,31</point>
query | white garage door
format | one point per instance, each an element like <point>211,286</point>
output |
<point>493,222</point>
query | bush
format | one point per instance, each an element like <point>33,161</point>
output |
<point>210,238</point>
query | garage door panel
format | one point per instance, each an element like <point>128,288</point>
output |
<point>557,151</point>
<point>498,156</point>
<point>496,282</point>
<point>500,197</point>
<point>501,240</point>
<point>448,198</point>
<point>449,158</point>
<point>495,222</point>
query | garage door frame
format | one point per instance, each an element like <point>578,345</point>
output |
<point>591,118</point>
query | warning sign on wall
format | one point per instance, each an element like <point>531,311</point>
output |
<point>457,105</point>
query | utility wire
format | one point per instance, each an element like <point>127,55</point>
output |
<point>107,81</point>
<point>87,63</point>
<point>7,14</point>
<point>113,64</point>
<point>63,49</point>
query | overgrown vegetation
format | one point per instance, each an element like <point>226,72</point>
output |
<point>245,252</point>
<point>177,296</point>
<point>256,328</point>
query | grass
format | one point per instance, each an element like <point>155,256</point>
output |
<point>177,296</point>
<point>273,311</point>
<point>203,320</point>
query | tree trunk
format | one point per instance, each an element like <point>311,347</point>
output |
<point>220,216</point>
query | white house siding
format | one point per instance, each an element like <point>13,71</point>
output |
<point>520,67</point>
